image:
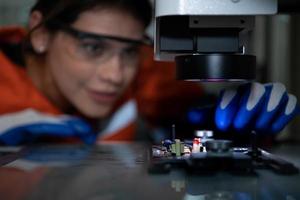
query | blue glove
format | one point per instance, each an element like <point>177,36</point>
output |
<point>265,108</point>
<point>28,125</point>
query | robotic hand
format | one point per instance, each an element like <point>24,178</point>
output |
<point>264,108</point>
<point>28,125</point>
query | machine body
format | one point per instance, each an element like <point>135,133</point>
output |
<point>210,40</point>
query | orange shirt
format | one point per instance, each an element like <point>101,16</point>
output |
<point>158,95</point>
<point>16,89</point>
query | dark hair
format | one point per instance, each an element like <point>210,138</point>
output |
<point>67,11</point>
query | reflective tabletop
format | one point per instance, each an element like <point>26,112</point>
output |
<point>120,171</point>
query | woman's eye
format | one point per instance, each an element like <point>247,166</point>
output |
<point>93,49</point>
<point>131,52</point>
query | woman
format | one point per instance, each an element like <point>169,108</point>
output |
<point>88,59</point>
<point>78,58</point>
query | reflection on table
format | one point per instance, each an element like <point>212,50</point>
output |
<point>119,171</point>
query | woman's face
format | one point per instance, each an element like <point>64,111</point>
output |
<point>91,73</point>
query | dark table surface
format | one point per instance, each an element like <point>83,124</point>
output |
<point>119,171</point>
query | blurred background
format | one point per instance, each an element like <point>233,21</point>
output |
<point>277,46</point>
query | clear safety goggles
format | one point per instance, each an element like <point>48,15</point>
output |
<point>98,48</point>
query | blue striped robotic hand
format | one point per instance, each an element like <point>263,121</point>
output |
<point>29,125</point>
<point>265,108</point>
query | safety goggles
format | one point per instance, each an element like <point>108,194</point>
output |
<point>98,48</point>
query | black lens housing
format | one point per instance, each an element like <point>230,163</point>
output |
<point>215,67</point>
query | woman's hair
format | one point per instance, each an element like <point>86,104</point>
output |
<point>67,11</point>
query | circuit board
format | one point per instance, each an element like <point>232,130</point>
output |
<point>212,156</point>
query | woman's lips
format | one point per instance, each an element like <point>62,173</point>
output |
<point>102,97</point>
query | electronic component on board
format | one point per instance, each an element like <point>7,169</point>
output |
<point>213,156</point>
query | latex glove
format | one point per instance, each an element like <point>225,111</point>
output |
<point>28,125</point>
<point>265,108</point>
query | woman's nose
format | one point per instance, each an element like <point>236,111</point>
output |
<point>112,70</point>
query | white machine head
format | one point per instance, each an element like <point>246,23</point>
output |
<point>210,40</point>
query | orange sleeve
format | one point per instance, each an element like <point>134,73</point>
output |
<point>16,89</point>
<point>159,95</point>
<point>18,92</point>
